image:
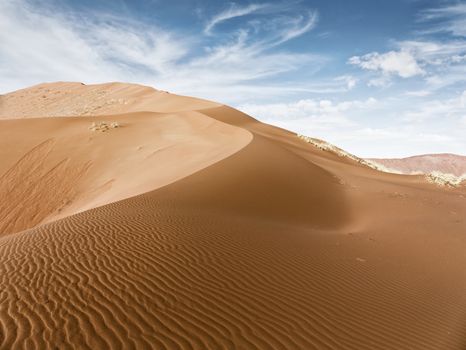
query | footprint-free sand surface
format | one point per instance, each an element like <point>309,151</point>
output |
<point>193,226</point>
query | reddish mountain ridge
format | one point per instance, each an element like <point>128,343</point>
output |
<point>446,163</point>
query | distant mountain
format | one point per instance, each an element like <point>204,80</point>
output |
<point>445,163</point>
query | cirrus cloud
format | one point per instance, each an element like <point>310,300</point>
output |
<point>233,11</point>
<point>53,43</point>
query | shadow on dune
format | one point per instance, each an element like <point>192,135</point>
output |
<point>266,179</point>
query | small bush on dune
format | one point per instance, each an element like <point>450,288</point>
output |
<point>103,126</point>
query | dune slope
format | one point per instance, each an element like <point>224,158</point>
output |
<point>273,244</point>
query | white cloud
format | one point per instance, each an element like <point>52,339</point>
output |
<point>435,53</point>
<point>308,115</point>
<point>401,63</point>
<point>304,108</point>
<point>443,110</point>
<point>418,93</point>
<point>444,60</point>
<point>299,25</point>
<point>349,80</point>
<point>57,46</point>
<point>380,81</point>
<point>232,12</point>
<point>427,127</point>
<point>280,24</point>
<point>52,44</point>
<point>439,63</point>
<point>463,121</point>
<point>450,19</point>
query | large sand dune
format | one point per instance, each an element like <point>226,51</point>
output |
<point>193,226</point>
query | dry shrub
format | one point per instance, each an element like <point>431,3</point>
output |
<point>103,126</point>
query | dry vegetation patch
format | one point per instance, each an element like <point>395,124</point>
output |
<point>443,179</point>
<point>434,177</point>
<point>325,146</point>
<point>103,126</point>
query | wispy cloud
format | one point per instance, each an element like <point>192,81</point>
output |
<point>418,93</point>
<point>350,81</point>
<point>446,110</point>
<point>54,44</point>
<point>274,23</point>
<point>299,26</point>
<point>57,45</point>
<point>232,12</point>
<point>449,19</point>
<point>435,53</point>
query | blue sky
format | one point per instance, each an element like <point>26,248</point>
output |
<point>382,78</point>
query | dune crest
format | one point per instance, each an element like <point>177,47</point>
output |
<point>207,229</point>
<point>70,99</point>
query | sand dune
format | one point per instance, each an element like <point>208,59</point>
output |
<point>238,235</point>
<point>77,99</point>
<point>59,166</point>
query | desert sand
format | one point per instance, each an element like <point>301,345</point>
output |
<point>191,225</point>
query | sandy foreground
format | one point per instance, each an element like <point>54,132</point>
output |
<point>179,223</point>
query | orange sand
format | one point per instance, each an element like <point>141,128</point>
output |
<point>194,226</point>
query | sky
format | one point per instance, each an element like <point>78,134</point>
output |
<point>378,78</point>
